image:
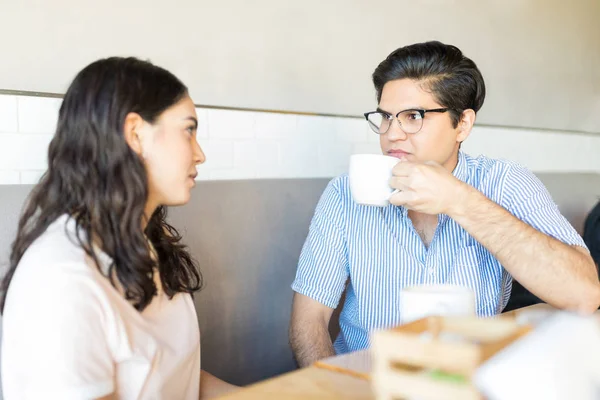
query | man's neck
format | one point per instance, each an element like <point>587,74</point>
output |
<point>424,224</point>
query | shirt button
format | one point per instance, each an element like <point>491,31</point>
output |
<point>431,271</point>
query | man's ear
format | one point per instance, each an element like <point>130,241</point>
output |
<point>131,129</point>
<point>465,125</point>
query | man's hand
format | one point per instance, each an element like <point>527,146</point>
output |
<point>426,187</point>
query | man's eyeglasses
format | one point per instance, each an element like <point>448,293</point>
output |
<point>411,120</point>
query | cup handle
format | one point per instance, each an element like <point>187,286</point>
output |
<point>393,193</point>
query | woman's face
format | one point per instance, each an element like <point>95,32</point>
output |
<point>171,153</point>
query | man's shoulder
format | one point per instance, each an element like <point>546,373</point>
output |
<point>505,181</point>
<point>483,168</point>
<point>340,182</point>
<point>337,198</point>
<point>340,186</point>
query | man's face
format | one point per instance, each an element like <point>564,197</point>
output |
<point>437,140</point>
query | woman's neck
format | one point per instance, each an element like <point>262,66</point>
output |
<point>148,212</point>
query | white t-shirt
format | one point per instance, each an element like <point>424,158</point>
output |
<point>68,334</point>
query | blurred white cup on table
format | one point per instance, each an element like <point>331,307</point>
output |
<point>422,301</point>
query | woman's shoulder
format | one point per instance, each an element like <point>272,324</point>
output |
<point>56,260</point>
<point>57,245</point>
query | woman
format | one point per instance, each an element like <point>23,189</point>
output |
<point>97,301</point>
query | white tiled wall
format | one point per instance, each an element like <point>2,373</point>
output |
<point>257,145</point>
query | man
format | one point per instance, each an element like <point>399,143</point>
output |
<point>476,222</point>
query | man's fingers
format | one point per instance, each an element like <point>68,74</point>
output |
<point>400,183</point>
<point>403,168</point>
<point>402,198</point>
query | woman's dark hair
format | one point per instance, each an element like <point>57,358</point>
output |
<point>95,177</point>
<point>454,79</point>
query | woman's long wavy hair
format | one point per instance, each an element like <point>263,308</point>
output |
<point>96,178</point>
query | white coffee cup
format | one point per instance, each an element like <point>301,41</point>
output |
<point>422,301</point>
<point>370,178</point>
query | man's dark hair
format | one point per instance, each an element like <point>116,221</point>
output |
<point>454,80</point>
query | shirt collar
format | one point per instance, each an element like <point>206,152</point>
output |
<point>461,170</point>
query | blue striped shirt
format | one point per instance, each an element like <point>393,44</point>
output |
<point>380,252</point>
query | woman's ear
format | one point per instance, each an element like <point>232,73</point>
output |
<point>465,125</point>
<point>131,129</point>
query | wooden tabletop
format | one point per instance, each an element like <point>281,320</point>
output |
<point>307,383</point>
<point>341,377</point>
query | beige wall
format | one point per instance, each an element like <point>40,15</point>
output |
<point>541,58</point>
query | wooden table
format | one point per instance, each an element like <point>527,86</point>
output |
<point>323,381</point>
<point>307,383</point>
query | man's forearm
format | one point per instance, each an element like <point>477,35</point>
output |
<point>557,273</point>
<point>310,343</point>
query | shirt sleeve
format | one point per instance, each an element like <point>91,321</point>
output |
<point>323,265</point>
<point>527,198</point>
<point>55,343</point>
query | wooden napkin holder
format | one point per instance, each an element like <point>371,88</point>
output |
<point>435,358</point>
